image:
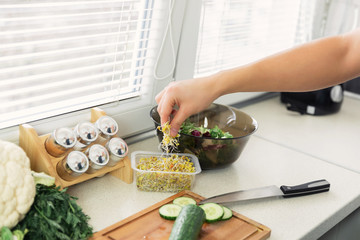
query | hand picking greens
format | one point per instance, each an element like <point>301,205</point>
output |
<point>168,143</point>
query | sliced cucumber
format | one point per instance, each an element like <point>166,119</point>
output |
<point>213,212</point>
<point>227,213</point>
<point>182,201</point>
<point>169,211</point>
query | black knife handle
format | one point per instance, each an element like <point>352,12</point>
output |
<point>306,188</point>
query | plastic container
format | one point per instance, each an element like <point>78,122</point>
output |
<point>163,181</point>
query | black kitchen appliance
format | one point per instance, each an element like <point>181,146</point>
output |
<point>320,102</point>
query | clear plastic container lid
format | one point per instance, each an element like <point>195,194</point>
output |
<point>137,155</point>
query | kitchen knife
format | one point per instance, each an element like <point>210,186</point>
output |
<point>271,191</point>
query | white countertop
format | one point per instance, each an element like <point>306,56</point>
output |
<point>334,138</point>
<point>287,149</point>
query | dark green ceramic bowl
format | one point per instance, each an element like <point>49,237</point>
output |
<point>215,153</point>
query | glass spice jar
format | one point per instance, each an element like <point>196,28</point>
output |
<point>98,157</point>
<point>107,126</point>
<point>75,164</point>
<point>60,141</point>
<point>117,149</point>
<point>86,133</point>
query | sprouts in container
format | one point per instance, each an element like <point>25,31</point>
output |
<point>159,172</point>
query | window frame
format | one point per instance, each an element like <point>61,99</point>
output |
<point>132,114</point>
<point>187,54</point>
<point>187,51</point>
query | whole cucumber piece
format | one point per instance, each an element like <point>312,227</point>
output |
<point>188,224</point>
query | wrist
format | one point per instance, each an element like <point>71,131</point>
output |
<point>214,85</point>
<point>222,82</point>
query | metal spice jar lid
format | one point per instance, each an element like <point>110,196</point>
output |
<point>118,149</point>
<point>77,162</point>
<point>107,126</point>
<point>60,141</point>
<point>86,132</point>
<point>72,166</point>
<point>65,137</point>
<point>117,146</point>
<point>98,156</point>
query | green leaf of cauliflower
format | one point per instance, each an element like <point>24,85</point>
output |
<point>43,178</point>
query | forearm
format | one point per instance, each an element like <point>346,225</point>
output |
<point>312,66</point>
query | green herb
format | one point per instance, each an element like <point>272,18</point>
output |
<point>189,128</point>
<point>55,215</point>
<point>216,132</point>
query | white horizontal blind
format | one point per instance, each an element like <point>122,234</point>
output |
<point>236,32</point>
<point>62,56</point>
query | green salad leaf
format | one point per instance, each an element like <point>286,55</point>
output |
<point>189,128</point>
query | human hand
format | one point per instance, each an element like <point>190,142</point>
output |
<point>180,100</point>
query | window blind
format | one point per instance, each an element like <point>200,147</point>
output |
<point>62,56</point>
<point>236,32</point>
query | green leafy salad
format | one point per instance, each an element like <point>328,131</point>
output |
<point>189,128</point>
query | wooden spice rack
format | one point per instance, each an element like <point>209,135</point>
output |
<point>41,161</point>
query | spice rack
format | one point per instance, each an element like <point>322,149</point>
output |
<point>41,161</point>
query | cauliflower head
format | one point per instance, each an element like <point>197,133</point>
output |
<point>17,185</point>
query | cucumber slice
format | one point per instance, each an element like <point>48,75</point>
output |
<point>182,201</point>
<point>227,213</point>
<point>213,212</point>
<point>169,211</point>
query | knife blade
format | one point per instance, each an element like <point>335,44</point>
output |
<point>285,191</point>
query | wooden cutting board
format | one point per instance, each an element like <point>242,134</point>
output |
<point>147,224</point>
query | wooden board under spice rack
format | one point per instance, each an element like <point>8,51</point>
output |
<point>147,224</point>
<point>41,161</point>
